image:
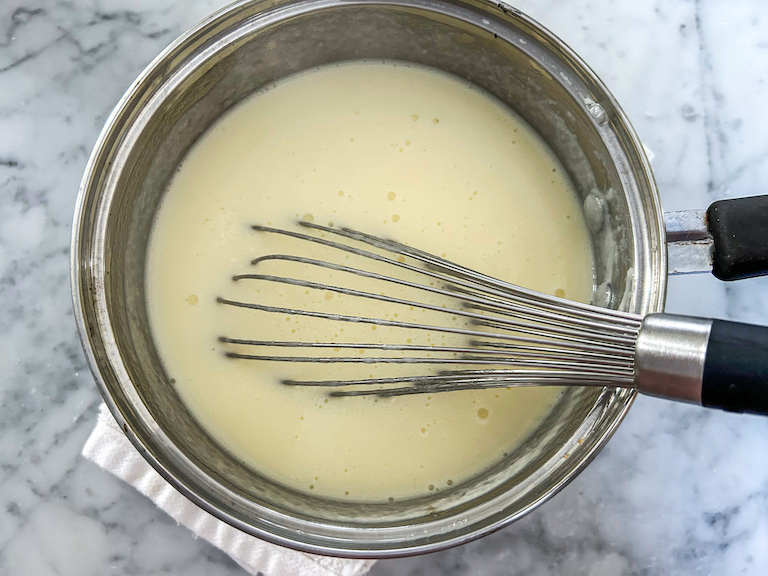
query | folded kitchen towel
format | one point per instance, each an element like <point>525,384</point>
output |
<point>110,448</point>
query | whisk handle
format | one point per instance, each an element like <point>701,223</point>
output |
<point>713,363</point>
<point>735,376</point>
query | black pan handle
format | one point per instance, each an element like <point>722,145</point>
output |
<point>739,228</point>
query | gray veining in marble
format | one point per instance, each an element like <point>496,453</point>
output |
<point>679,490</point>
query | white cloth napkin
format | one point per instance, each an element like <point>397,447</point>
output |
<point>109,448</point>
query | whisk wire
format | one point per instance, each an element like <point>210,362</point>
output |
<point>475,280</point>
<point>469,300</point>
<point>535,339</point>
<point>480,319</point>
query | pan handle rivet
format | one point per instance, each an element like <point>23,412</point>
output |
<point>595,110</point>
<point>594,212</point>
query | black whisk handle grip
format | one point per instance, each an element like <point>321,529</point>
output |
<point>735,376</point>
<point>713,363</point>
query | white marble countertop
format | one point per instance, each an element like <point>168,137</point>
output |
<point>678,490</point>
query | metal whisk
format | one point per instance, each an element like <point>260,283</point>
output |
<point>517,337</point>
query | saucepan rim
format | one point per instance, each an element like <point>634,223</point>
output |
<point>103,354</point>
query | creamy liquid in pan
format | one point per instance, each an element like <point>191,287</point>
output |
<point>394,150</point>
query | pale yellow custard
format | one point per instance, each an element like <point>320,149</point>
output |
<point>394,150</point>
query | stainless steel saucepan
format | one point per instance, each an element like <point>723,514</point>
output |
<point>254,43</point>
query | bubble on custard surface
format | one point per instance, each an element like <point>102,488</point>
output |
<point>193,299</point>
